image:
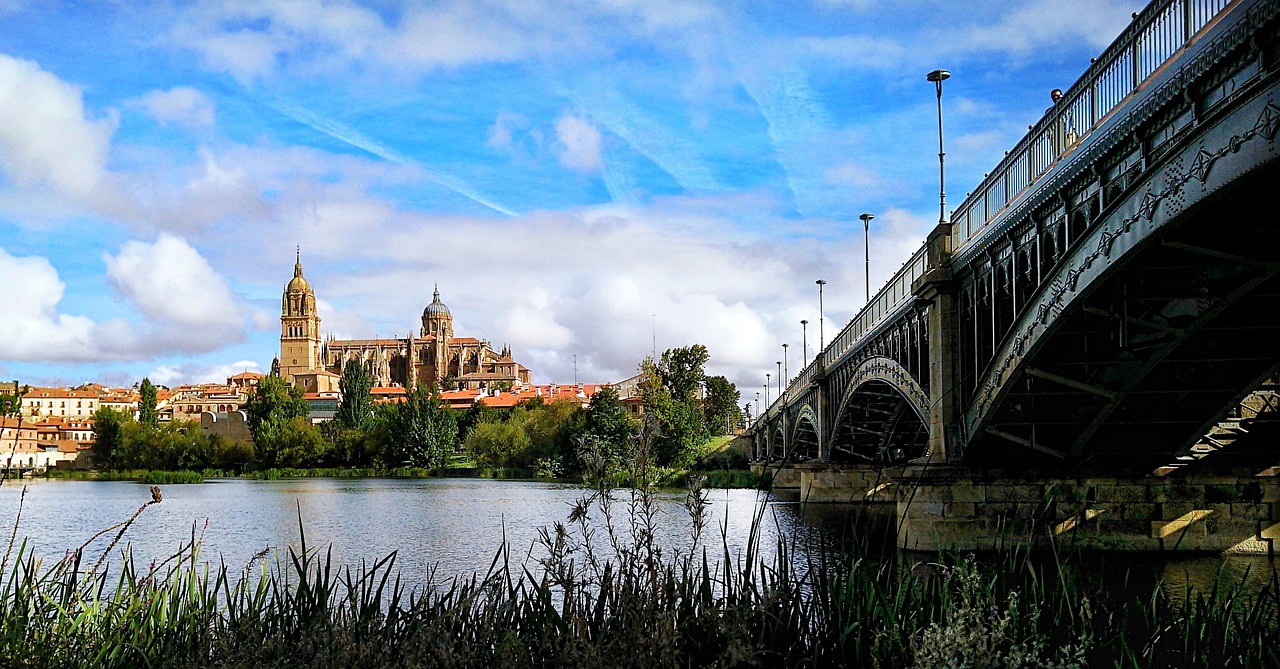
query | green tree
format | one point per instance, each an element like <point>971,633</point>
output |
<point>422,431</point>
<point>721,405</point>
<point>147,415</point>
<point>609,423</point>
<point>270,410</point>
<point>356,408</point>
<point>681,370</point>
<point>108,437</point>
<point>670,394</point>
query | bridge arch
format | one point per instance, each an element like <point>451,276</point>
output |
<point>804,443</point>
<point>882,416</point>
<point>1154,323</point>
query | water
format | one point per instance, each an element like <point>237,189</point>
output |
<point>455,526</point>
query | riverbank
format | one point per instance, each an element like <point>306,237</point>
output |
<point>670,479</point>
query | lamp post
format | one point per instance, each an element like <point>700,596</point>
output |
<point>779,379</point>
<point>821,336</point>
<point>768,378</point>
<point>804,343</point>
<point>757,416</point>
<point>785,372</point>
<point>866,235</point>
<point>937,77</point>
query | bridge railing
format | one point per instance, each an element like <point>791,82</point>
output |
<point>1158,33</point>
<point>883,304</point>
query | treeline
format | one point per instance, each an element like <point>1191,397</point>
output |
<point>534,438</point>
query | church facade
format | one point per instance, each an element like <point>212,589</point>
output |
<point>434,357</point>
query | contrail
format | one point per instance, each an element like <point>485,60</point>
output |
<point>353,137</point>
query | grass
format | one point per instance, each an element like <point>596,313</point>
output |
<point>731,478</point>
<point>615,598</point>
<point>170,477</point>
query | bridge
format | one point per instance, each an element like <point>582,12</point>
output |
<point>1101,304</point>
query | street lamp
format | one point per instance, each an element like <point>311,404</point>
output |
<point>804,343</point>
<point>785,372</point>
<point>866,235</point>
<point>821,337</point>
<point>779,379</point>
<point>767,378</point>
<point>757,416</point>
<point>937,77</point>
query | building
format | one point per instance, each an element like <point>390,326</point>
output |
<point>60,402</point>
<point>434,357</point>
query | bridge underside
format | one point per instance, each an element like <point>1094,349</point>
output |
<point>1151,357</point>
<point>878,425</point>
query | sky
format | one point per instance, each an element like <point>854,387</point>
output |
<point>580,179</point>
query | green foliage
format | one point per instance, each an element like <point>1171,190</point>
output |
<point>535,436</point>
<point>669,391</point>
<point>721,406</point>
<point>162,477</point>
<point>356,408</point>
<point>147,404</point>
<point>731,478</point>
<point>420,432</point>
<point>108,437</point>
<point>11,404</point>
<point>271,410</point>
<point>681,370</point>
<point>477,413</point>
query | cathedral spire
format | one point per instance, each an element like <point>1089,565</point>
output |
<point>297,263</point>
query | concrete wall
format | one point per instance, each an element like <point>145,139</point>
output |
<point>945,508</point>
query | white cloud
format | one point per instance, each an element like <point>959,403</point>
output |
<point>181,105</point>
<point>45,138</point>
<point>172,375</point>
<point>32,328</point>
<point>170,282</point>
<point>580,143</point>
<point>1041,24</point>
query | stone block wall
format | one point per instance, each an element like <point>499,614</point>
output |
<point>823,483</point>
<point>947,508</point>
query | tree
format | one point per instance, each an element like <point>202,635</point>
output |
<point>669,391</point>
<point>609,424</point>
<point>147,414</point>
<point>108,437</point>
<point>270,410</point>
<point>422,431</point>
<point>721,405</point>
<point>681,370</point>
<point>356,407</point>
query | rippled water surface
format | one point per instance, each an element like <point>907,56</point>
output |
<point>457,525</point>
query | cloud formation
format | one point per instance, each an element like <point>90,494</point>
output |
<point>180,105</point>
<point>579,143</point>
<point>45,138</point>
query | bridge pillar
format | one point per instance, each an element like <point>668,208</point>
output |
<point>959,509</point>
<point>937,288</point>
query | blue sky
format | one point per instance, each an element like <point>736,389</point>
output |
<point>574,175</point>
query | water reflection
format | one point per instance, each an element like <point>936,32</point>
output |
<point>457,526</point>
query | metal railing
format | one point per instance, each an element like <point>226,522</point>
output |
<point>1157,34</point>
<point>882,305</point>
<point>1163,29</point>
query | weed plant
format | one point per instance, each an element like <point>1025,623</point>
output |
<point>601,591</point>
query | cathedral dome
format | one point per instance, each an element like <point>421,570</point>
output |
<point>298,283</point>
<point>436,308</point>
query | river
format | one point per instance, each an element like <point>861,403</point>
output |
<point>455,527</point>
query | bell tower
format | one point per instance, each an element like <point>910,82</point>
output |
<point>299,326</point>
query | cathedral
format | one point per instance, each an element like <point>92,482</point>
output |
<point>435,357</point>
